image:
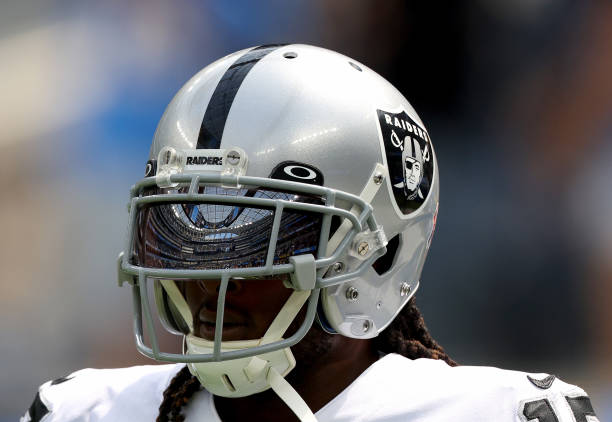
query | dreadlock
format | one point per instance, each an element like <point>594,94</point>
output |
<point>407,335</point>
<point>176,395</point>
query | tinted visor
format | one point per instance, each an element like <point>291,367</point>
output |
<point>196,235</point>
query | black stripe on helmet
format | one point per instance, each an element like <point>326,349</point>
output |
<point>221,101</point>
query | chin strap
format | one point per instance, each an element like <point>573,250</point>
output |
<point>287,393</point>
<point>179,301</point>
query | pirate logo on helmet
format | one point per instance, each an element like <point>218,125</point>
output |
<point>408,156</point>
<point>412,158</point>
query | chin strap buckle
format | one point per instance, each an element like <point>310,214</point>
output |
<point>255,368</point>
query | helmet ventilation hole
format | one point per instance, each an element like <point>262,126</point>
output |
<point>385,262</point>
<point>228,383</point>
<point>290,55</point>
<point>355,66</point>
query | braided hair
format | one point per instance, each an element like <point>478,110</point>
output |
<point>407,335</point>
<point>177,395</point>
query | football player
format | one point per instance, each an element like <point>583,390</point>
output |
<point>287,208</point>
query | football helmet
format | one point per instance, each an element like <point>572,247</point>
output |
<point>289,161</point>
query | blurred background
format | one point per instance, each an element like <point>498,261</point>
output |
<point>517,97</point>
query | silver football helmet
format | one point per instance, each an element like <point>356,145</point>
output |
<point>290,161</point>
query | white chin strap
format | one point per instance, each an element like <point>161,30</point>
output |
<point>246,376</point>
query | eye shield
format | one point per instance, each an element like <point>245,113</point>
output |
<point>195,235</point>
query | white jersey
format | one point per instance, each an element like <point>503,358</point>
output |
<point>393,389</point>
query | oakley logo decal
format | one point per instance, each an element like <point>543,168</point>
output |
<point>297,172</point>
<point>300,172</point>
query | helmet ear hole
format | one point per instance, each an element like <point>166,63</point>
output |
<point>385,262</point>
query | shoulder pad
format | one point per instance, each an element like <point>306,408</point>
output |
<point>107,393</point>
<point>548,399</point>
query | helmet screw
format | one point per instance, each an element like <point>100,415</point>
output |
<point>338,267</point>
<point>363,248</point>
<point>233,157</point>
<point>352,294</point>
<point>366,326</point>
<point>405,289</point>
<point>378,178</point>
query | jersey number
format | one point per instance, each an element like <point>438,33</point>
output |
<point>543,411</point>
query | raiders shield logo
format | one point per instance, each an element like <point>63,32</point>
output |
<point>409,158</point>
